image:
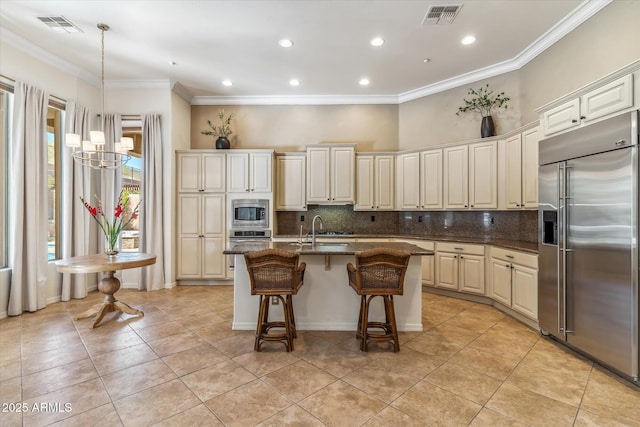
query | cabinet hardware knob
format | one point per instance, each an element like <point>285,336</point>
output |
<point>509,256</point>
<point>371,207</point>
<point>574,121</point>
<point>582,117</point>
<point>465,206</point>
<point>329,198</point>
<point>461,257</point>
<point>471,205</point>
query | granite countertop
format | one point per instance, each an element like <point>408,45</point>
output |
<point>506,244</point>
<point>324,248</point>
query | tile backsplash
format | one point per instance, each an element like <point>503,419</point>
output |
<point>507,225</point>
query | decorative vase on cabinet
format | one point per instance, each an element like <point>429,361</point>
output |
<point>487,128</point>
<point>222,143</point>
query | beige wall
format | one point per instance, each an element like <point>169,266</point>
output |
<point>292,127</point>
<point>432,120</point>
<point>606,42</point>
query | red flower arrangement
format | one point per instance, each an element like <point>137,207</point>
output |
<point>112,228</point>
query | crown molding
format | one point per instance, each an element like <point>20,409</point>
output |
<point>181,91</point>
<point>584,11</point>
<point>37,52</point>
<point>137,84</point>
<point>294,100</point>
<point>580,14</point>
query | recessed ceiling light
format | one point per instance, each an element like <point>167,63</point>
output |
<point>425,60</point>
<point>227,83</point>
<point>294,82</point>
<point>364,81</point>
<point>377,41</point>
<point>172,62</point>
<point>285,43</point>
<point>468,40</point>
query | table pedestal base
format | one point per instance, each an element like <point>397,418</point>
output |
<point>109,285</point>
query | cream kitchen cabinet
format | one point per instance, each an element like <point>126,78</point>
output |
<point>456,177</point>
<point>249,171</point>
<point>331,174</point>
<point>599,102</point>
<point>201,239</point>
<point>471,176</point>
<point>460,267</point>
<point>408,181</point>
<point>375,179</point>
<point>290,182</point>
<point>200,171</point>
<point>419,180</point>
<point>428,262</point>
<point>514,277</point>
<point>519,170</point>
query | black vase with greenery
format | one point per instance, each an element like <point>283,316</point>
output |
<point>222,132</point>
<point>484,102</point>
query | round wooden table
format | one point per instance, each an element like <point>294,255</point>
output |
<point>109,285</point>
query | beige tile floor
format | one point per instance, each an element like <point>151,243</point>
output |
<point>183,365</point>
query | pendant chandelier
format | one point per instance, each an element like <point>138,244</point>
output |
<point>92,153</point>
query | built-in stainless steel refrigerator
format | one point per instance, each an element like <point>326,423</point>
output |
<point>588,247</point>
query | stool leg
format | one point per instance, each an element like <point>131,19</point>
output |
<point>359,329</point>
<point>365,324</point>
<point>288,332</point>
<point>293,318</point>
<point>260,324</point>
<point>394,329</point>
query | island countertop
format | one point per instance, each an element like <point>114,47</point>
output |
<point>324,248</point>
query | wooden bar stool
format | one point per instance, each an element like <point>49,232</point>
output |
<point>378,272</point>
<point>275,273</point>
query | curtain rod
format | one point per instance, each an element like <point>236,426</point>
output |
<point>9,87</point>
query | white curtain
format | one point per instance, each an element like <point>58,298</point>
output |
<point>151,218</point>
<point>76,224</point>
<point>28,201</point>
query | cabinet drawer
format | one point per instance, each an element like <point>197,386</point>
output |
<point>528,260</point>
<point>460,247</point>
<point>608,99</point>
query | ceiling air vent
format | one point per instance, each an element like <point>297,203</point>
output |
<point>437,15</point>
<point>60,24</point>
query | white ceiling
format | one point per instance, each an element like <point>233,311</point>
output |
<point>238,40</point>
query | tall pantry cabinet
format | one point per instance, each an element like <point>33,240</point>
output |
<point>201,214</point>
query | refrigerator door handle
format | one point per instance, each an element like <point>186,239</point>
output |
<point>560,254</point>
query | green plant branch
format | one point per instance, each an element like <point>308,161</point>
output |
<point>484,101</point>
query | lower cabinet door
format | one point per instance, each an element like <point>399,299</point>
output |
<point>471,277</point>
<point>501,273</point>
<point>213,259</point>
<point>525,291</point>
<point>447,270</point>
<point>189,257</point>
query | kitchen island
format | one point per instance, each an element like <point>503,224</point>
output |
<point>325,301</point>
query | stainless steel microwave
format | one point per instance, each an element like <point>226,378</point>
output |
<point>250,213</point>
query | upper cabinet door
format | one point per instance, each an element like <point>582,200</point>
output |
<point>563,117</point>
<point>408,181</point>
<point>189,171</point>
<point>260,172</point>
<point>365,183</point>
<point>530,168</point>
<point>456,177</point>
<point>513,172</point>
<point>384,178</point>
<point>318,184</point>
<point>290,183</point>
<point>238,172</point>
<point>607,99</point>
<point>431,179</point>
<point>483,175</point>
<point>213,173</point>
<point>343,174</point>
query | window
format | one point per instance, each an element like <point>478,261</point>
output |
<point>53,178</point>
<point>131,180</point>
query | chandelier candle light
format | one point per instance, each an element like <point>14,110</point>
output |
<point>112,228</point>
<point>92,153</point>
